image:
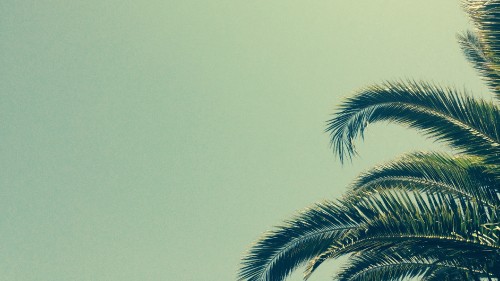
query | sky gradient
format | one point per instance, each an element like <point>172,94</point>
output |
<point>156,140</point>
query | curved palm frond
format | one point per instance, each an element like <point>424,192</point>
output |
<point>310,233</point>
<point>467,124</point>
<point>473,51</point>
<point>485,15</point>
<point>420,225</point>
<point>461,175</point>
<point>392,266</point>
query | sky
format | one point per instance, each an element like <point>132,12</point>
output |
<point>157,140</point>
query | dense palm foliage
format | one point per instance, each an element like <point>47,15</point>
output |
<point>431,215</point>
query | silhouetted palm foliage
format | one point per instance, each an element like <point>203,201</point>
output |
<point>430,215</point>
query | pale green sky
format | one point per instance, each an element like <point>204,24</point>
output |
<point>156,140</point>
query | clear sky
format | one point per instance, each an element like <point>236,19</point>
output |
<point>156,140</point>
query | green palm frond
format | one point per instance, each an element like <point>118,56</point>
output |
<point>461,175</point>
<point>420,225</point>
<point>467,124</point>
<point>485,15</point>
<point>473,51</point>
<point>445,275</point>
<point>392,271</point>
<point>392,266</point>
<point>310,233</point>
<point>388,221</point>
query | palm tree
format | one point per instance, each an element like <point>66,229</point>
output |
<point>429,215</point>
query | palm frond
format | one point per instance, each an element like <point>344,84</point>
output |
<point>473,51</point>
<point>461,175</point>
<point>485,15</point>
<point>468,125</point>
<point>393,266</point>
<point>419,225</point>
<point>312,232</point>
<point>446,275</point>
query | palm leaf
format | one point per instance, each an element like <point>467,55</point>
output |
<point>419,225</point>
<point>485,15</point>
<point>445,275</point>
<point>310,233</point>
<point>393,266</point>
<point>473,51</point>
<point>468,125</point>
<point>461,175</point>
